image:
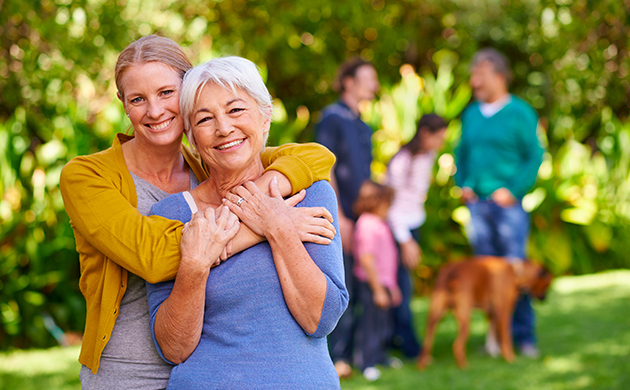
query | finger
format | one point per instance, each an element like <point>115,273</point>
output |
<point>208,214</point>
<point>224,254</point>
<point>274,190</point>
<point>315,239</point>
<point>253,188</point>
<point>234,208</point>
<point>232,219</point>
<point>232,197</point>
<point>315,228</point>
<point>223,218</point>
<point>242,192</point>
<point>319,211</point>
<point>295,199</point>
<point>323,227</point>
<point>232,230</point>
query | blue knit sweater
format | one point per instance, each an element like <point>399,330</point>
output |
<point>249,339</point>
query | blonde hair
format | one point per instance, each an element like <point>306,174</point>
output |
<point>371,196</point>
<point>152,48</point>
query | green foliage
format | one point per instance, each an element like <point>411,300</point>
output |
<point>570,60</point>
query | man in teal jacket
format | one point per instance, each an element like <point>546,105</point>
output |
<point>497,163</point>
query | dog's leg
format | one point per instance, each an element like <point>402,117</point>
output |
<point>504,328</point>
<point>492,344</point>
<point>462,313</point>
<point>437,308</point>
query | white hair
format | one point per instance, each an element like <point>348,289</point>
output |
<point>228,72</point>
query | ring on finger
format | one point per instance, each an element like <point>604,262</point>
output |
<point>240,201</point>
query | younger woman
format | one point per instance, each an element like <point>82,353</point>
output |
<point>409,173</point>
<point>375,269</point>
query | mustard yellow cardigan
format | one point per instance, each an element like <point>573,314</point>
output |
<point>112,237</point>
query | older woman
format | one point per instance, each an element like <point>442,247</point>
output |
<point>107,195</point>
<point>258,321</point>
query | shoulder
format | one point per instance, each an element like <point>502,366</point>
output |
<point>172,207</point>
<point>98,164</point>
<point>470,109</point>
<point>336,111</point>
<point>320,193</point>
<point>520,107</point>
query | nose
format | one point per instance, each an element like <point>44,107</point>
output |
<point>223,125</point>
<point>154,109</point>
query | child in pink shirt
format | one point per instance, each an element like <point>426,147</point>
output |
<point>375,268</point>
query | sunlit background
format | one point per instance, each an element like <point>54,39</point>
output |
<point>58,100</point>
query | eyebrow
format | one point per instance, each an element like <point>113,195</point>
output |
<point>227,104</point>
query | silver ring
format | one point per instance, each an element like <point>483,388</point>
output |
<point>239,201</point>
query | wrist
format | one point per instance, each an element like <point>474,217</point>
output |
<point>194,265</point>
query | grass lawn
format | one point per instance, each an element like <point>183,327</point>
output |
<point>584,336</point>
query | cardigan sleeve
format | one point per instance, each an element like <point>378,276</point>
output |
<point>97,200</point>
<point>302,164</point>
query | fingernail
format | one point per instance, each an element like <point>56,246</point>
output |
<point>274,180</point>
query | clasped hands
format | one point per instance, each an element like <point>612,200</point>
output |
<point>501,196</point>
<point>209,233</point>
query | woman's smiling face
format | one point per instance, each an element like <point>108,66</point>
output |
<point>151,100</point>
<point>228,128</point>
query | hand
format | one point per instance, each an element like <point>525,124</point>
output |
<point>346,229</point>
<point>410,253</point>
<point>396,296</point>
<point>503,197</point>
<point>468,195</point>
<point>381,298</point>
<point>261,213</point>
<point>314,224</point>
<point>205,237</point>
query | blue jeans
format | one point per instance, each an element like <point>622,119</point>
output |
<point>404,336</point>
<point>503,231</point>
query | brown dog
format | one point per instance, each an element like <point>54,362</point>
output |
<point>489,283</point>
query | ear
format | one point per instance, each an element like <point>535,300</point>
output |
<point>267,121</point>
<point>348,83</point>
<point>119,96</point>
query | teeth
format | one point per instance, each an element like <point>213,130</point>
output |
<point>231,144</point>
<point>160,126</point>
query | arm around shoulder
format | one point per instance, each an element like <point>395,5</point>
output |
<point>302,164</point>
<point>98,200</point>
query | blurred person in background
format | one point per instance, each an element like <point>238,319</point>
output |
<point>497,163</point>
<point>375,268</point>
<point>343,132</point>
<point>409,173</point>
<point>107,196</point>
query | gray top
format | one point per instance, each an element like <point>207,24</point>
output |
<point>130,360</point>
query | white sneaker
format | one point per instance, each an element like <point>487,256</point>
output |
<point>530,351</point>
<point>395,363</point>
<point>371,374</point>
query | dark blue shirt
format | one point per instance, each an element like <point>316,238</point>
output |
<point>350,139</point>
